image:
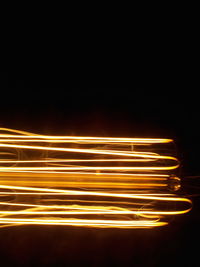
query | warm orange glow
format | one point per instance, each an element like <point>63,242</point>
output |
<point>87,181</point>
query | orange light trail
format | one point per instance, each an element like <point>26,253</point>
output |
<point>87,181</point>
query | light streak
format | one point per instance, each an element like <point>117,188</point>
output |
<point>87,181</point>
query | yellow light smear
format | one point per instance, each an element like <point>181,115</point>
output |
<point>124,180</point>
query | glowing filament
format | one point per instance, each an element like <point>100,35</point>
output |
<point>87,181</point>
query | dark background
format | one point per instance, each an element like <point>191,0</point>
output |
<point>162,106</point>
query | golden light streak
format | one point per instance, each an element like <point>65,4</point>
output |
<point>87,181</point>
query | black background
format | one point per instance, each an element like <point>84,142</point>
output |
<point>162,106</point>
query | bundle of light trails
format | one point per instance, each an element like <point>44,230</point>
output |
<point>88,181</point>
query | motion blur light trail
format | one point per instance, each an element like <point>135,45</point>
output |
<point>88,181</point>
